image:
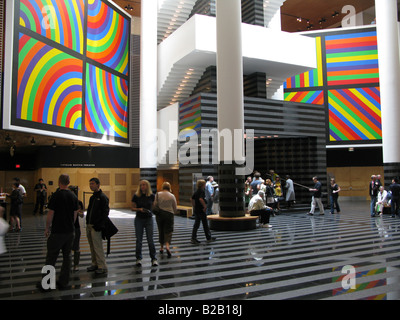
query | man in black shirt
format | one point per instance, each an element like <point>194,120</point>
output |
<point>316,198</point>
<point>41,192</point>
<point>200,205</point>
<point>63,207</point>
<point>395,201</point>
<point>97,213</point>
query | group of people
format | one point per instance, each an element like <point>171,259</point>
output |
<point>274,191</point>
<point>263,197</point>
<point>63,229</point>
<point>16,197</point>
<point>316,198</point>
<point>381,198</point>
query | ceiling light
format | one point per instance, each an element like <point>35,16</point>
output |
<point>8,138</point>
<point>33,141</point>
<point>54,145</point>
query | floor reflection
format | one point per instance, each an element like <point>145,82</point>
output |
<point>300,257</point>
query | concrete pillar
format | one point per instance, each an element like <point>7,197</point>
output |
<point>389,73</point>
<point>148,91</point>
<point>230,105</point>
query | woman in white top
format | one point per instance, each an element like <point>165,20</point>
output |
<point>165,202</point>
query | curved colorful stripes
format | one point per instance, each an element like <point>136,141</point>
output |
<point>355,114</point>
<point>107,36</point>
<point>57,20</point>
<point>49,85</point>
<point>106,110</point>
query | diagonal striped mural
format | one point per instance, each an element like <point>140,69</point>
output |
<point>313,97</point>
<point>354,114</point>
<point>346,82</point>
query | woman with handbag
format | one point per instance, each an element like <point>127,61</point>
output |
<point>164,208</point>
<point>142,203</point>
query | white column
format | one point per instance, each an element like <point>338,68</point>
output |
<point>389,74</point>
<point>229,70</point>
<point>230,106</point>
<point>148,85</point>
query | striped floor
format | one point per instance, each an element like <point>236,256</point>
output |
<point>300,257</point>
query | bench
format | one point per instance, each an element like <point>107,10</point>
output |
<point>219,223</point>
<point>185,211</point>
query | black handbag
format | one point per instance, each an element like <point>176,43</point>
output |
<point>156,209</point>
<point>109,230</point>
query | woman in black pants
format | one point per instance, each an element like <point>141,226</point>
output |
<point>165,202</point>
<point>200,205</point>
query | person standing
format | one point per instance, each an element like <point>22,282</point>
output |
<point>41,192</point>
<point>373,192</point>
<point>247,192</point>
<point>316,198</point>
<point>15,207</point>
<point>63,207</point>
<point>4,226</point>
<point>290,195</point>
<point>22,190</point>
<point>77,237</point>
<point>142,203</point>
<point>166,203</point>
<point>209,195</point>
<point>96,216</point>
<point>200,207</point>
<point>395,189</point>
<point>334,190</point>
<point>256,183</point>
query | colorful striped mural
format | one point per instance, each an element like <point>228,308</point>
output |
<point>49,85</point>
<point>313,78</point>
<point>52,75</point>
<point>106,110</point>
<point>190,117</point>
<point>313,97</point>
<point>108,36</point>
<point>349,89</point>
<point>57,20</point>
<point>354,114</point>
<point>352,58</point>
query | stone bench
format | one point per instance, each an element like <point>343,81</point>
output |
<point>246,222</point>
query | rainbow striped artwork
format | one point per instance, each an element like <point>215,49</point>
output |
<point>355,114</point>
<point>313,78</point>
<point>190,116</point>
<point>106,110</point>
<point>49,85</point>
<point>313,97</point>
<point>108,37</point>
<point>352,58</point>
<point>57,20</point>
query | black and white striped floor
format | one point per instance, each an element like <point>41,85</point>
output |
<point>300,257</point>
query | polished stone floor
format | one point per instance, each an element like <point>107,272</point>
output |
<point>300,258</point>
